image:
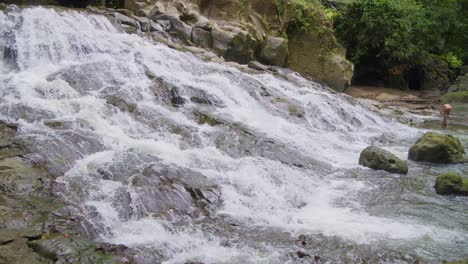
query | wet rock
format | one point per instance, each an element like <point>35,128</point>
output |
<point>121,104</point>
<point>242,48</point>
<point>169,189</point>
<point>7,235</point>
<point>174,26</point>
<point>460,84</point>
<point>206,119</point>
<point>458,262</point>
<point>125,20</point>
<point>18,252</point>
<point>162,90</point>
<point>129,29</point>
<point>380,159</point>
<point>437,148</point>
<point>302,256</point>
<point>257,66</point>
<point>143,23</point>
<point>319,56</point>
<point>88,77</point>
<point>202,37</point>
<point>54,124</point>
<point>275,51</point>
<point>200,100</point>
<point>176,99</point>
<point>221,39</point>
<point>10,149</point>
<point>70,249</point>
<point>451,183</point>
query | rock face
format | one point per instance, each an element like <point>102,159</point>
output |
<point>461,84</point>
<point>451,184</point>
<point>238,30</point>
<point>242,49</point>
<point>244,31</point>
<point>437,74</point>
<point>319,55</point>
<point>437,148</point>
<point>380,159</point>
<point>32,219</point>
<point>275,51</point>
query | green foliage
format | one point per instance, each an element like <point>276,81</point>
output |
<point>302,15</point>
<point>385,31</point>
<point>106,3</point>
<point>331,14</point>
<point>447,23</point>
<point>453,61</point>
<point>382,34</point>
<point>455,97</point>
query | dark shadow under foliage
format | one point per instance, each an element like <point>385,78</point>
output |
<point>69,3</point>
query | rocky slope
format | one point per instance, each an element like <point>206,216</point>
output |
<point>270,31</point>
<point>293,34</point>
<point>34,225</point>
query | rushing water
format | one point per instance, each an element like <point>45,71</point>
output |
<point>186,160</point>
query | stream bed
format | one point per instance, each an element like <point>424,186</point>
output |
<point>187,161</point>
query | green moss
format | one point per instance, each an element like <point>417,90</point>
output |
<point>301,15</point>
<point>455,97</point>
<point>459,262</point>
<point>244,8</point>
<point>396,113</point>
<point>437,148</point>
<point>451,183</point>
<point>70,249</point>
<point>292,109</point>
<point>205,119</point>
<point>380,159</point>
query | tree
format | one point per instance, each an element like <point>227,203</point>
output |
<point>382,35</point>
<point>384,32</point>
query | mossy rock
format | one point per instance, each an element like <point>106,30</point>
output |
<point>275,51</point>
<point>206,119</point>
<point>451,183</point>
<point>70,249</point>
<point>458,262</point>
<point>455,97</point>
<point>437,148</point>
<point>242,48</point>
<point>380,159</point>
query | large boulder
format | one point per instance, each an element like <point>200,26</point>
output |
<point>317,54</point>
<point>437,148</point>
<point>451,183</point>
<point>242,48</point>
<point>275,51</point>
<point>437,75</point>
<point>380,159</point>
<point>460,84</point>
<point>312,51</point>
<point>202,37</point>
<point>221,39</point>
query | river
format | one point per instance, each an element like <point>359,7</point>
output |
<point>186,160</point>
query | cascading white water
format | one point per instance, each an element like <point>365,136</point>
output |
<point>282,157</point>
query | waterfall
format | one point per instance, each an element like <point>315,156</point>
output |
<point>187,160</point>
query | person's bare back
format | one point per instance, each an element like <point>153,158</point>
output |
<point>445,112</point>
